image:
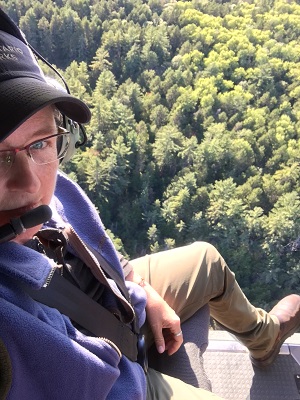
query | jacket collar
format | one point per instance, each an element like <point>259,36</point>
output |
<point>25,265</point>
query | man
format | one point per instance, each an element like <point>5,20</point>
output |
<point>42,354</point>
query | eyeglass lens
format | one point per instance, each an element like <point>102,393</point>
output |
<point>41,152</point>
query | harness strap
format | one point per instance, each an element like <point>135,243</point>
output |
<point>100,267</point>
<point>71,301</point>
<point>88,313</point>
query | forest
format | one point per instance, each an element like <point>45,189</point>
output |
<point>196,124</point>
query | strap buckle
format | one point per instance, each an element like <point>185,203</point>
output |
<point>142,357</point>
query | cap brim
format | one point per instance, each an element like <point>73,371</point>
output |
<point>20,98</point>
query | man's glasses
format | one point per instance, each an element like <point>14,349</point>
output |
<point>42,151</point>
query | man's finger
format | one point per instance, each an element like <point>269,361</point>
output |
<point>159,339</point>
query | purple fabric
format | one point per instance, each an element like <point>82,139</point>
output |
<point>50,358</point>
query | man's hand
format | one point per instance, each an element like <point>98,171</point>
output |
<point>164,322</point>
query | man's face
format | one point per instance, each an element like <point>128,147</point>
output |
<point>27,185</point>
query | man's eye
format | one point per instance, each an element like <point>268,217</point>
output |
<point>6,158</point>
<point>38,145</point>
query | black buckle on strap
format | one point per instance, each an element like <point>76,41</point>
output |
<point>142,357</point>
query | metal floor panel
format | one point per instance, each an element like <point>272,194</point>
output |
<point>233,377</point>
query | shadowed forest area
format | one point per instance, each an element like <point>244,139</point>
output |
<point>196,124</point>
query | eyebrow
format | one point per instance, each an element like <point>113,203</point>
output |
<point>46,129</point>
<point>38,135</point>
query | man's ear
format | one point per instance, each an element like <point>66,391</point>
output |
<point>74,129</point>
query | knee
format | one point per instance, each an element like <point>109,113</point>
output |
<point>208,250</point>
<point>208,258</point>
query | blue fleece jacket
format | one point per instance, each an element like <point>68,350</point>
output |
<point>51,359</point>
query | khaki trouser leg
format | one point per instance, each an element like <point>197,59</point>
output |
<point>163,387</point>
<point>191,276</point>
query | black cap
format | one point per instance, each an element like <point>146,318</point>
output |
<point>23,87</point>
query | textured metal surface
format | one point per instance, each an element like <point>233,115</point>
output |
<point>234,378</point>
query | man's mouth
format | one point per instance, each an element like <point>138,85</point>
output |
<point>23,209</point>
<point>7,215</point>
